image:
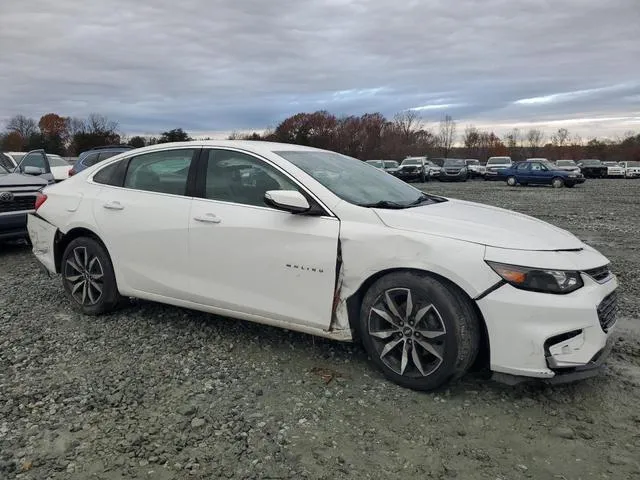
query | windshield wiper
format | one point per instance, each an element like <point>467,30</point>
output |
<point>383,204</point>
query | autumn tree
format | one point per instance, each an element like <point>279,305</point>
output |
<point>55,132</point>
<point>446,135</point>
<point>12,142</point>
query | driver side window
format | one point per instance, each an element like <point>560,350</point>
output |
<point>35,159</point>
<point>240,178</point>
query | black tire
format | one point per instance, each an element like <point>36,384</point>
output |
<point>89,301</point>
<point>458,334</point>
<point>569,185</point>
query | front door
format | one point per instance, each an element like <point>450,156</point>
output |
<point>36,163</point>
<point>144,220</point>
<point>250,258</point>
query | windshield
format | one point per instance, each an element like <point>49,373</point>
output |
<point>411,161</point>
<point>565,163</point>
<point>57,161</point>
<point>472,162</point>
<point>17,157</point>
<point>592,163</point>
<point>390,164</point>
<point>376,163</point>
<point>610,164</point>
<point>498,161</point>
<point>3,171</point>
<point>351,180</point>
<point>454,162</point>
<point>547,164</point>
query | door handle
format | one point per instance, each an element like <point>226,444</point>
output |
<point>207,218</point>
<point>113,206</point>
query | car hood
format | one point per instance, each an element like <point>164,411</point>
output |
<point>19,180</point>
<point>482,224</point>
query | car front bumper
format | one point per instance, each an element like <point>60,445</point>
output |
<point>13,225</point>
<point>549,336</point>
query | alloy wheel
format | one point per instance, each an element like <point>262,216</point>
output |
<point>408,332</point>
<point>511,181</point>
<point>85,274</point>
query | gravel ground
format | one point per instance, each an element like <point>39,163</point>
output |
<point>165,393</point>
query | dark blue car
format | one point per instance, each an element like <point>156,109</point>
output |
<point>540,172</point>
<point>96,155</point>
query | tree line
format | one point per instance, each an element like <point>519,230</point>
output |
<point>368,136</point>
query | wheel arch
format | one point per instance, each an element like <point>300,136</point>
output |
<point>64,239</point>
<point>355,301</point>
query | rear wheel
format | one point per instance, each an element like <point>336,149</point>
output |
<point>418,331</point>
<point>557,182</point>
<point>511,181</point>
<point>88,277</point>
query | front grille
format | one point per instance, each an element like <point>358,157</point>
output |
<point>19,203</point>
<point>599,274</point>
<point>607,311</point>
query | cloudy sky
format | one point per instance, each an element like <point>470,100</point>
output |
<point>221,65</point>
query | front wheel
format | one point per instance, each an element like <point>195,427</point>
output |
<point>557,182</point>
<point>420,332</point>
<point>511,181</point>
<point>88,277</point>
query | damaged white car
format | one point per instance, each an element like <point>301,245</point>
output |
<point>318,242</point>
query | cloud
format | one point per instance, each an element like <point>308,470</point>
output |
<point>221,65</point>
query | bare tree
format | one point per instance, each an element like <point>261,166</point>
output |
<point>447,135</point>
<point>23,126</point>
<point>560,138</point>
<point>471,141</point>
<point>100,124</point>
<point>76,125</point>
<point>407,122</point>
<point>535,141</point>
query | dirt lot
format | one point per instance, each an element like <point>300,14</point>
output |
<point>164,393</point>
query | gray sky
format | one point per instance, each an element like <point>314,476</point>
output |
<point>221,65</point>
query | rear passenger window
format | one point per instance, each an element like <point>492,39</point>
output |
<point>91,159</point>
<point>112,174</point>
<point>105,155</point>
<point>163,172</point>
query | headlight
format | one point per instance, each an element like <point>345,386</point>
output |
<point>572,175</point>
<point>538,280</point>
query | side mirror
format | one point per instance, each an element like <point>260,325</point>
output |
<point>32,170</point>
<point>287,200</point>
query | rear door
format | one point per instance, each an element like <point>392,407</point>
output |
<point>34,161</point>
<point>522,172</point>
<point>142,212</point>
<point>247,257</point>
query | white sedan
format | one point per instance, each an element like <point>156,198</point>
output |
<point>59,167</point>
<point>318,242</point>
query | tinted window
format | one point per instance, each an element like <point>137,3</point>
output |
<point>112,174</point>
<point>105,155</point>
<point>164,172</point>
<point>240,178</point>
<point>91,159</point>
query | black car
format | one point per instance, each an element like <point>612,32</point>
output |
<point>454,170</point>
<point>593,168</point>
<point>18,193</point>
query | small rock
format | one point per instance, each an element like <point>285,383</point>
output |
<point>522,468</point>
<point>564,432</point>
<point>187,410</point>
<point>615,459</point>
<point>198,422</point>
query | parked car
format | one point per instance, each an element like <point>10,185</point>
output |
<point>476,169</point>
<point>345,251</point>
<point>59,167</point>
<point>97,155</point>
<point>18,195</point>
<point>631,169</point>
<point>592,168</point>
<point>567,166</point>
<point>540,172</point>
<point>454,170</point>
<point>495,165</point>
<point>376,163</point>
<point>391,166</point>
<point>614,170</point>
<point>413,169</point>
